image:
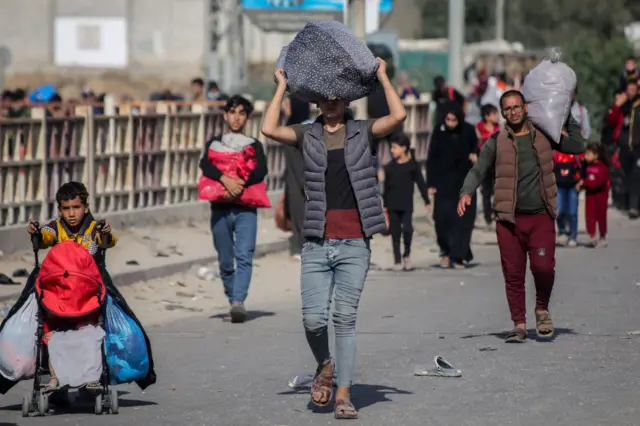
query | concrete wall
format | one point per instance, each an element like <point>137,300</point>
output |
<point>25,31</point>
<point>165,40</point>
<point>165,36</point>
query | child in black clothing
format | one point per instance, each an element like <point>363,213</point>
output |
<point>400,175</point>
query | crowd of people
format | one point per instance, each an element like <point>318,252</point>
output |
<point>18,103</point>
<point>621,136</point>
<point>333,204</point>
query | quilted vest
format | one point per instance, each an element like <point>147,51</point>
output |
<point>362,166</point>
<point>506,183</point>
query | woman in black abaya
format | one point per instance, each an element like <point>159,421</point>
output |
<point>452,152</point>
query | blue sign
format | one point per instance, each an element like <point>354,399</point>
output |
<point>306,5</point>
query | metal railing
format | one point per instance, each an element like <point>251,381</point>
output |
<point>130,160</point>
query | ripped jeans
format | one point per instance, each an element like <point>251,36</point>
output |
<point>333,269</point>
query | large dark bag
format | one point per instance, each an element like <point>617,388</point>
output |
<point>327,61</point>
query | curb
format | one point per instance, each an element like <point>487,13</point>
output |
<point>127,278</point>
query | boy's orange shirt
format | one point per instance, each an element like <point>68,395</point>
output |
<point>57,231</point>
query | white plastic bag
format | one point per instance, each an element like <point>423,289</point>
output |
<point>76,355</point>
<point>548,90</point>
<point>18,342</point>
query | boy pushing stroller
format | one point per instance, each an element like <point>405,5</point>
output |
<point>75,224</point>
<point>86,335</point>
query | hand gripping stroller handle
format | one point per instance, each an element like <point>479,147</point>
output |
<point>36,237</point>
<point>103,236</point>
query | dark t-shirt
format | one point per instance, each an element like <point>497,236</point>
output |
<point>342,217</point>
<point>399,181</point>
<point>529,198</point>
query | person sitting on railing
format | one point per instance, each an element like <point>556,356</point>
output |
<point>215,94</point>
<point>238,163</point>
<point>55,109</point>
<point>197,89</point>
<point>19,107</point>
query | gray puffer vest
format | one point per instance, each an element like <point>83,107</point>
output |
<point>362,166</point>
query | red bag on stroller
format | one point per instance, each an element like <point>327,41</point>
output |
<point>69,284</point>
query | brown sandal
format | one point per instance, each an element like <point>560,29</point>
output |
<point>517,335</point>
<point>344,410</point>
<point>544,325</point>
<point>322,384</point>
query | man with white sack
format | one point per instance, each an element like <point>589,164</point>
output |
<point>525,203</point>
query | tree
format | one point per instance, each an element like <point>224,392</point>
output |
<point>544,23</point>
<point>536,24</point>
<point>598,64</point>
<point>479,19</point>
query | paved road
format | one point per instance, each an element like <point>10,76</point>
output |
<point>212,373</point>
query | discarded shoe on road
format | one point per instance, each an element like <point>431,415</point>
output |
<point>442,369</point>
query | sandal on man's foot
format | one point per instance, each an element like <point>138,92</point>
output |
<point>544,325</point>
<point>344,410</point>
<point>52,386</point>
<point>323,385</point>
<point>517,335</point>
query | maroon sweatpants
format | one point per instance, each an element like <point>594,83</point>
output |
<point>596,206</point>
<point>535,235</point>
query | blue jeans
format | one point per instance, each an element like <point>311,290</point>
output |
<point>234,232</point>
<point>338,269</point>
<point>568,199</point>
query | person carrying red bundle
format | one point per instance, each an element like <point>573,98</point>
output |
<point>234,167</point>
<point>596,185</point>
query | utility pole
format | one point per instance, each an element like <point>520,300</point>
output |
<point>358,18</point>
<point>456,41</point>
<point>372,16</point>
<point>345,12</point>
<point>228,26</point>
<point>499,19</point>
<point>211,46</point>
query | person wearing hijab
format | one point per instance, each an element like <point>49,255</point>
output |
<point>452,153</point>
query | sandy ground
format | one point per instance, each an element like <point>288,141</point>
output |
<point>275,278</point>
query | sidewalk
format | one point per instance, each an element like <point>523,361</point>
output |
<point>155,252</point>
<point>275,283</point>
<point>169,287</point>
<point>147,253</point>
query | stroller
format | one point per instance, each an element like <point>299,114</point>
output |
<point>71,285</point>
